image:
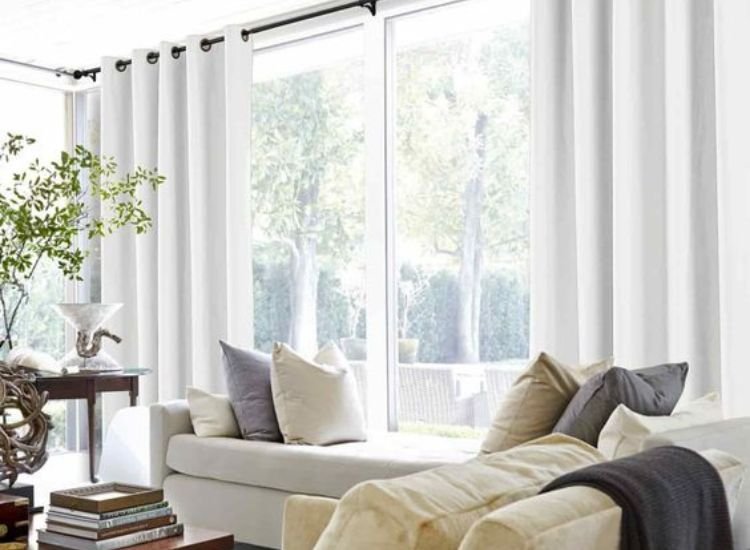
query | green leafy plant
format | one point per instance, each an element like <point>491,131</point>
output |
<point>46,207</point>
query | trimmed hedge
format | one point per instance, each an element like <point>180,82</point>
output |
<point>504,315</point>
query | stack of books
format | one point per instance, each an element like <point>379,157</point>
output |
<point>107,517</point>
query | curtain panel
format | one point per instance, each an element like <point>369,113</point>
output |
<point>188,282</point>
<point>641,186</point>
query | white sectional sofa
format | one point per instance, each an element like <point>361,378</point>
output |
<point>242,486</point>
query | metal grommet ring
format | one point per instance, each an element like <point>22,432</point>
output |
<point>152,57</point>
<point>175,52</point>
<point>121,65</point>
<point>205,44</point>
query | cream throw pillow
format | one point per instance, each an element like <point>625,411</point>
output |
<point>536,401</point>
<point>433,509</point>
<point>316,401</point>
<point>626,431</point>
<point>574,518</point>
<point>211,415</point>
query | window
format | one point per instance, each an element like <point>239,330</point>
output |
<point>423,112</point>
<point>308,194</point>
<point>40,113</point>
<point>461,207</point>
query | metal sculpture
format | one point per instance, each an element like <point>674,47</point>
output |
<point>23,425</point>
<point>89,346</point>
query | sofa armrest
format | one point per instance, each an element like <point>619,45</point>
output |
<point>165,420</point>
<point>573,518</point>
<point>305,519</point>
<point>731,436</point>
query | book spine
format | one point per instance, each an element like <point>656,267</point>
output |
<point>107,523</point>
<point>107,515</point>
<point>136,510</point>
<point>140,526</point>
<point>101,534</point>
<point>140,538</point>
<point>125,520</point>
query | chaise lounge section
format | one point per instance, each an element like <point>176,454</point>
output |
<point>243,485</point>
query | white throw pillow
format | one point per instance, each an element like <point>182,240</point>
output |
<point>433,509</point>
<point>211,414</point>
<point>316,400</point>
<point>626,431</point>
<point>535,402</point>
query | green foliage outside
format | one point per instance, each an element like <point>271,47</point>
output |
<point>461,180</point>
<point>504,318</point>
<point>308,186</point>
<point>442,430</point>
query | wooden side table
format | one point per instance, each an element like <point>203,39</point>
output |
<point>88,386</point>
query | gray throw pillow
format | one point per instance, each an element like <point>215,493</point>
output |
<point>653,392</point>
<point>248,376</point>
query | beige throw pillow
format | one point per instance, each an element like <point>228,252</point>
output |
<point>626,431</point>
<point>211,415</point>
<point>536,401</point>
<point>316,400</point>
<point>433,509</point>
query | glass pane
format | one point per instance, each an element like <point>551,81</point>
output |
<point>461,190</point>
<point>308,195</point>
<point>39,113</point>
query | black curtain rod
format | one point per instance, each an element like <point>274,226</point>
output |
<point>153,56</point>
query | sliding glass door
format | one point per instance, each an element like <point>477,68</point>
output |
<point>460,178</point>
<point>390,202</point>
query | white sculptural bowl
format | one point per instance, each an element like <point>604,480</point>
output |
<point>87,319</point>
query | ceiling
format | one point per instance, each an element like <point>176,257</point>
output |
<point>77,33</point>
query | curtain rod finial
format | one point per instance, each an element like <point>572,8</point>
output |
<point>371,5</point>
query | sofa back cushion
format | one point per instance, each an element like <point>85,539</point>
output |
<point>653,391</point>
<point>626,431</point>
<point>574,518</point>
<point>536,400</point>
<point>434,509</point>
<point>248,377</point>
<point>316,400</point>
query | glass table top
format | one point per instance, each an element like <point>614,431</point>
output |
<point>130,371</point>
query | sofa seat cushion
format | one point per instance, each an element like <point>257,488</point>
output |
<point>325,471</point>
<point>433,510</point>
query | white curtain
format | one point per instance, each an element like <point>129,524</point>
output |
<point>640,200</point>
<point>188,282</point>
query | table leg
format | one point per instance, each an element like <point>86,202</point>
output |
<point>133,391</point>
<point>91,405</point>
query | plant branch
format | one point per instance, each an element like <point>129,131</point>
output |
<point>44,212</point>
<point>6,325</point>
